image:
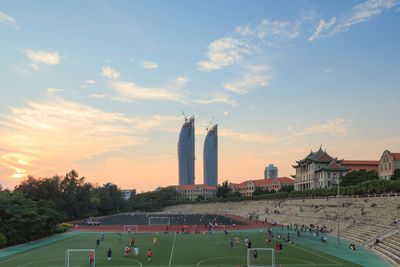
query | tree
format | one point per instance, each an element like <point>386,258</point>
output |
<point>356,177</point>
<point>223,190</point>
<point>396,175</point>
<point>287,188</point>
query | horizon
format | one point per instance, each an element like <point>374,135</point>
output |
<point>104,93</point>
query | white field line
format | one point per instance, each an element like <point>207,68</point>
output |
<point>172,251</point>
<point>331,260</point>
<point>44,247</point>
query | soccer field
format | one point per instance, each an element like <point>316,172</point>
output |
<point>171,250</point>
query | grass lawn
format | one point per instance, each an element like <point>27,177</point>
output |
<point>171,250</point>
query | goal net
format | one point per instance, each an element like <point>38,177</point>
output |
<point>218,227</point>
<point>80,257</point>
<point>130,229</point>
<point>156,220</point>
<point>265,257</point>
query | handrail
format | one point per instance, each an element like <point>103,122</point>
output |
<point>391,231</point>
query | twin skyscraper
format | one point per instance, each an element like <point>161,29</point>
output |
<point>186,154</point>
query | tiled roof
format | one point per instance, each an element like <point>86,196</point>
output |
<point>357,165</point>
<point>192,186</point>
<point>360,162</point>
<point>396,156</point>
<point>283,180</point>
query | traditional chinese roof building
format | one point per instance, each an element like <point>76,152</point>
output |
<point>318,170</point>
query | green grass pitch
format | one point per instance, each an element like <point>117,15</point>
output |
<point>171,250</point>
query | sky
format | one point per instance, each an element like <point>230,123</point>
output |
<point>101,86</point>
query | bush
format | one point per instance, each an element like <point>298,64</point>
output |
<point>3,240</point>
<point>63,227</point>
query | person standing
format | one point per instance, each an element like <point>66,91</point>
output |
<point>109,253</point>
<point>255,255</point>
<point>149,252</point>
<point>132,241</point>
<point>91,258</point>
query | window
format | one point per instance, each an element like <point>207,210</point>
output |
<point>390,166</point>
<point>329,175</point>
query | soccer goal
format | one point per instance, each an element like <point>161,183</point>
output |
<point>157,220</point>
<point>265,257</point>
<point>218,227</point>
<point>71,261</point>
<point>130,229</point>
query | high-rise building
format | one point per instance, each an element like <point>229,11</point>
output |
<point>210,157</point>
<point>270,172</point>
<point>186,152</point>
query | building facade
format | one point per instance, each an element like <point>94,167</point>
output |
<point>192,192</point>
<point>210,157</point>
<point>186,153</point>
<point>248,187</point>
<point>271,172</point>
<point>387,164</point>
<point>127,193</point>
<point>318,170</point>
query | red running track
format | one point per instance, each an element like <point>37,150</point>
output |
<point>248,224</point>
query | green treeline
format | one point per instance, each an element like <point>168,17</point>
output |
<point>36,206</point>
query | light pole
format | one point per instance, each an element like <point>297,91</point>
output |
<point>338,214</point>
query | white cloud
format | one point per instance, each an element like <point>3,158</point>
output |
<point>110,73</point>
<point>218,98</point>
<point>129,91</point>
<point>97,95</point>
<point>149,65</point>
<point>271,30</point>
<point>252,77</point>
<point>52,91</point>
<point>8,20</point>
<point>42,57</point>
<point>322,26</point>
<point>360,13</point>
<point>337,127</point>
<point>226,113</point>
<point>90,81</point>
<point>224,52</point>
<point>251,137</point>
<point>328,70</point>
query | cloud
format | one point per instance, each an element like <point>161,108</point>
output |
<point>224,52</point>
<point>129,91</point>
<point>252,77</point>
<point>52,91</point>
<point>42,57</point>
<point>271,30</point>
<point>322,26</point>
<point>8,20</point>
<point>54,134</point>
<point>97,95</point>
<point>337,127</point>
<point>149,65</point>
<point>226,113</point>
<point>360,13</point>
<point>218,98</point>
<point>251,137</point>
<point>110,73</point>
<point>88,82</point>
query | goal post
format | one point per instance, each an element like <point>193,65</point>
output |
<point>265,257</point>
<point>159,220</point>
<point>130,229</point>
<point>69,251</point>
<point>219,227</point>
